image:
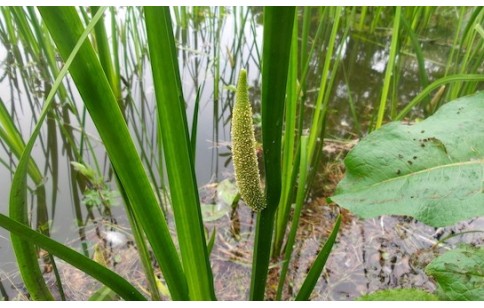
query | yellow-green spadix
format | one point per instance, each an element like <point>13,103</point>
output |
<point>243,148</point>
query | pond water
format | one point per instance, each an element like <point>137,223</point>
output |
<point>369,255</point>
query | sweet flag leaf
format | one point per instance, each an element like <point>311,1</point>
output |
<point>432,170</point>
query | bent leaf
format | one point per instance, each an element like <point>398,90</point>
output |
<point>460,273</point>
<point>104,275</point>
<point>65,26</point>
<point>432,170</point>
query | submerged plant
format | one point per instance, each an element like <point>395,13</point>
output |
<point>97,192</point>
<point>243,148</point>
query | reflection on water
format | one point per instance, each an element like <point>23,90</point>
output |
<point>212,47</point>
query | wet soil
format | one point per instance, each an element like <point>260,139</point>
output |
<point>374,254</point>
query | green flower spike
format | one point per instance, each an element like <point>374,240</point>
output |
<point>243,148</point>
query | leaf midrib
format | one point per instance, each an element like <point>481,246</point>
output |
<point>403,176</point>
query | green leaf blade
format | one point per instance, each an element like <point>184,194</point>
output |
<point>459,273</point>
<point>178,154</point>
<point>25,251</point>
<point>432,170</point>
<point>278,23</point>
<point>434,196</point>
<point>318,265</point>
<point>65,28</point>
<point>90,267</point>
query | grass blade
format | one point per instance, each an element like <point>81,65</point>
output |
<point>318,265</point>
<point>282,215</point>
<point>88,266</point>
<point>318,125</point>
<point>25,251</point>
<point>178,153</point>
<point>65,27</point>
<point>424,79</point>
<point>389,68</point>
<point>105,56</point>
<point>278,24</point>
<point>321,105</point>
<point>193,135</point>
<point>12,137</point>
<point>141,245</point>
<point>301,193</point>
<point>434,85</point>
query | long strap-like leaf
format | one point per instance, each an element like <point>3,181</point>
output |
<point>115,282</point>
<point>278,23</point>
<point>25,252</point>
<point>177,150</point>
<point>318,265</point>
<point>301,189</point>
<point>65,28</point>
<point>389,68</point>
<point>434,85</point>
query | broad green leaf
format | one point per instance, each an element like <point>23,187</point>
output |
<point>460,273</point>
<point>399,295</point>
<point>227,192</point>
<point>213,212</point>
<point>432,170</point>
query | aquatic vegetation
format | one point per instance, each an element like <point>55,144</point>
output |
<point>311,81</point>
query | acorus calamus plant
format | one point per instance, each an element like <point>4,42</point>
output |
<point>183,255</point>
<point>243,148</point>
